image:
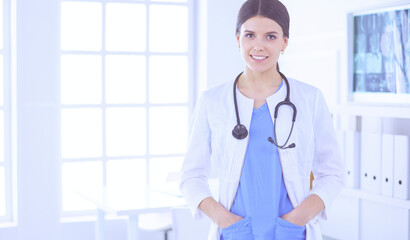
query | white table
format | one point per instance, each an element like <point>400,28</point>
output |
<point>149,201</point>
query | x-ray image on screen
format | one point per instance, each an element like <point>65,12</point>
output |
<point>382,52</point>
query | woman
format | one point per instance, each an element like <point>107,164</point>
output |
<point>264,187</point>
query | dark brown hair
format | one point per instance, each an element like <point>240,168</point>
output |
<point>272,9</point>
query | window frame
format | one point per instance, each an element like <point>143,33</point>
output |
<point>192,88</point>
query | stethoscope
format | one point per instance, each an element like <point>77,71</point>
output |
<point>240,131</point>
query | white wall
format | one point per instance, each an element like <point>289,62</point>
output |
<point>223,58</point>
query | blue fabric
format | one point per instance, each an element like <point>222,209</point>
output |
<point>262,197</point>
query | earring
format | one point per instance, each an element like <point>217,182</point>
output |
<point>282,52</point>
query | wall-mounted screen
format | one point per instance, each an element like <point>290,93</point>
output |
<point>380,55</point>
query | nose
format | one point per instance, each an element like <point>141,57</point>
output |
<point>259,45</point>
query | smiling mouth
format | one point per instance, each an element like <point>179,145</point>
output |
<point>259,57</point>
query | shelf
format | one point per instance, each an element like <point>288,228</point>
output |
<point>357,193</point>
<point>387,111</point>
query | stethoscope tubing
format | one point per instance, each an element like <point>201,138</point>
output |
<point>240,131</point>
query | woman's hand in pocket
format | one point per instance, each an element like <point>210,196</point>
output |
<point>306,211</point>
<point>293,217</point>
<point>215,211</point>
<point>229,219</point>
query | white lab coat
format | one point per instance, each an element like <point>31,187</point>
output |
<point>214,152</point>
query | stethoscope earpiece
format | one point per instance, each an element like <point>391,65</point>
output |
<point>240,131</point>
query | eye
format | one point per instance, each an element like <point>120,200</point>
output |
<point>271,37</point>
<point>249,35</point>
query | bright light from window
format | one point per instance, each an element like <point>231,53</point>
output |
<point>161,168</point>
<point>168,28</point>
<point>166,73</point>
<point>81,26</point>
<point>81,133</point>
<point>81,178</point>
<point>125,131</point>
<point>81,79</point>
<point>168,130</point>
<point>126,180</point>
<point>125,79</point>
<point>123,103</point>
<point>125,27</point>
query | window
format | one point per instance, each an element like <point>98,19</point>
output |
<point>125,86</point>
<point>5,114</point>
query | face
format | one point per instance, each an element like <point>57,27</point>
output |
<point>260,41</point>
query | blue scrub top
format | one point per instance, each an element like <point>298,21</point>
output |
<point>262,197</point>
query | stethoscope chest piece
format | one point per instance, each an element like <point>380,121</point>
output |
<point>240,131</point>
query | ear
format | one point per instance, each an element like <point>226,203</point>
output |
<point>237,41</point>
<point>285,44</point>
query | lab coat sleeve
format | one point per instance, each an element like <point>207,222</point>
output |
<point>196,167</point>
<point>328,166</point>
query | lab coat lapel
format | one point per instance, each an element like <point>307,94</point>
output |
<point>245,108</point>
<point>288,157</point>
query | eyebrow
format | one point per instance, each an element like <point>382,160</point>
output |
<point>268,33</point>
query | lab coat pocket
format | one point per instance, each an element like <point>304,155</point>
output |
<point>241,230</point>
<point>286,230</point>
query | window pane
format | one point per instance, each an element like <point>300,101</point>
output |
<point>80,79</point>
<point>168,130</point>
<point>162,170</point>
<point>81,133</point>
<point>125,79</point>
<point>126,180</point>
<point>168,79</point>
<point>1,80</point>
<point>2,156</point>
<point>81,26</point>
<point>126,131</point>
<point>168,28</point>
<point>81,178</point>
<point>125,27</point>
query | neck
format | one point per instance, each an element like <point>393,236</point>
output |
<point>260,80</point>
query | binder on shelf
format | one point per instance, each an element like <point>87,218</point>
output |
<point>352,158</point>
<point>401,167</point>
<point>387,164</point>
<point>370,173</point>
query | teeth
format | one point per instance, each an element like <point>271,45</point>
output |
<point>258,58</point>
